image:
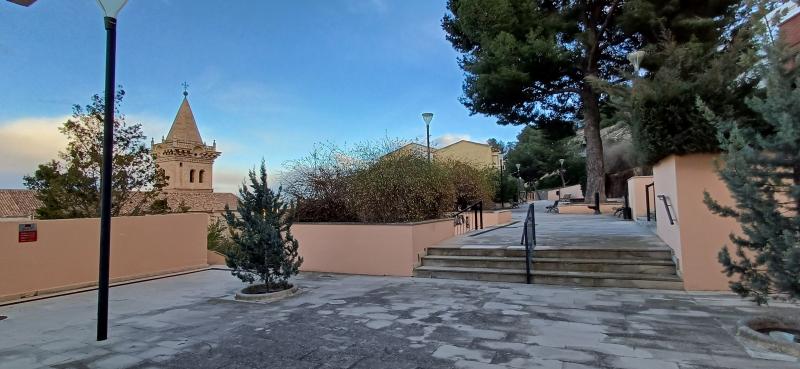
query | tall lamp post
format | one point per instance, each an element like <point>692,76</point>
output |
<point>427,117</point>
<point>519,182</point>
<point>110,9</point>
<point>561,172</point>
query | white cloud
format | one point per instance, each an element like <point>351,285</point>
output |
<point>229,179</point>
<point>449,138</point>
<point>28,142</point>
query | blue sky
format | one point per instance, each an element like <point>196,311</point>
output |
<point>267,78</point>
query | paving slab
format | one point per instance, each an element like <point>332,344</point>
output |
<point>343,321</point>
<point>600,231</point>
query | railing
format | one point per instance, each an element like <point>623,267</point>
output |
<point>529,240</point>
<point>667,206</point>
<point>469,219</point>
<point>647,199</point>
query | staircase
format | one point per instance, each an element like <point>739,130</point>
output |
<point>585,266</point>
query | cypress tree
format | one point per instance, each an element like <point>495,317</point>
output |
<point>761,168</point>
<point>264,248</point>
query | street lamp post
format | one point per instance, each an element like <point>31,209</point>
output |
<point>110,9</point>
<point>519,183</point>
<point>427,117</point>
<point>561,172</point>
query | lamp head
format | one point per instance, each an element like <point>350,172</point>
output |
<point>427,117</point>
<point>561,161</point>
<point>636,59</point>
<point>111,7</point>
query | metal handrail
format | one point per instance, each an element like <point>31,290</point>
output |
<point>666,206</point>
<point>477,210</point>
<point>529,241</point>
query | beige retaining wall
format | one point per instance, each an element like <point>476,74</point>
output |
<point>574,191</point>
<point>371,249</point>
<point>636,195</point>
<point>582,208</point>
<point>66,254</point>
<point>697,235</point>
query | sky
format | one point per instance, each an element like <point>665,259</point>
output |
<point>267,79</point>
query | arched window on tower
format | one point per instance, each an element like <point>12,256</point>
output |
<point>191,176</point>
<point>201,175</point>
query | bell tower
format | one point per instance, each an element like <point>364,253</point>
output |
<point>186,160</point>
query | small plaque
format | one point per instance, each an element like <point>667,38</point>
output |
<point>27,232</point>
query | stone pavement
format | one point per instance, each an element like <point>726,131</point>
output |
<point>341,321</point>
<point>603,230</point>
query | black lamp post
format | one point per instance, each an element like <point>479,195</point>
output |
<point>427,117</point>
<point>110,9</point>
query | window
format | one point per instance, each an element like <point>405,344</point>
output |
<point>191,176</point>
<point>200,176</point>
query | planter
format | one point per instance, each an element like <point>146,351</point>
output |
<point>243,295</point>
<point>773,333</point>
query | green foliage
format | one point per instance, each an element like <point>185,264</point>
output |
<point>706,56</point>
<point>402,188</point>
<point>264,248</point>
<point>371,184</point>
<point>70,188</point>
<point>538,156</point>
<point>762,172</point>
<point>662,109</point>
<point>216,238</point>
<point>508,191</point>
<point>534,62</point>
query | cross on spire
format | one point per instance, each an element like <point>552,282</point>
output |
<point>185,88</point>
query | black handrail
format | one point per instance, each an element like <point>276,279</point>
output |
<point>647,198</point>
<point>477,209</point>
<point>530,223</point>
<point>666,206</point>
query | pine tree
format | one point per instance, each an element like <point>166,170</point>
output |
<point>264,248</point>
<point>761,168</point>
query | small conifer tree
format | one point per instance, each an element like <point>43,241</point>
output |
<point>761,168</point>
<point>264,249</point>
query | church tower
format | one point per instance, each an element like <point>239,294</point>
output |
<point>186,160</point>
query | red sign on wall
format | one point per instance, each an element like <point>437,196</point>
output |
<point>27,232</point>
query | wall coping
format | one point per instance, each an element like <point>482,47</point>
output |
<point>639,177</point>
<point>376,224</point>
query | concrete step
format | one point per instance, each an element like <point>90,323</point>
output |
<point>492,262</point>
<point>476,251</point>
<point>582,279</point>
<point>641,266</point>
<point>617,280</point>
<point>474,274</point>
<point>599,252</point>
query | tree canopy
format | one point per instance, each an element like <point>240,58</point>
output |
<point>532,62</point>
<point>70,187</point>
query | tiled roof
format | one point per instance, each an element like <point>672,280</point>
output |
<point>23,203</point>
<point>18,203</point>
<point>202,202</point>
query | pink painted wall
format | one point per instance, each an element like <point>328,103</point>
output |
<point>636,195</point>
<point>582,208</point>
<point>493,218</point>
<point>700,234</point>
<point>66,254</point>
<point>666,183</point>
<point>215,258</point>
<point>574,190</point>
<point>370,249</point>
